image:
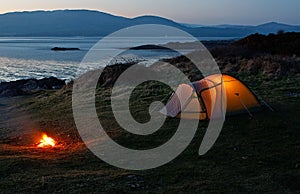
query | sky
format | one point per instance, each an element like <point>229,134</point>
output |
<point>206,12</point>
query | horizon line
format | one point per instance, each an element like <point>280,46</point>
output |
<point>112,14</point>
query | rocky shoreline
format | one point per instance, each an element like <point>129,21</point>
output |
<point>27,86</point>
<point>248,56</point>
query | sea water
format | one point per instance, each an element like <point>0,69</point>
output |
<point>32,57</point>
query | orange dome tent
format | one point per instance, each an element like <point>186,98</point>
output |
<point>206,98</point>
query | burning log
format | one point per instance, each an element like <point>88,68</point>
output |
<point>46,142</point>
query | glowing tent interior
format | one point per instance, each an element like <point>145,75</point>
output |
<point>211,96</point>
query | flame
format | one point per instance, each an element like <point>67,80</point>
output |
<point>46,142</point>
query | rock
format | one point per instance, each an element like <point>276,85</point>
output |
<point>51,83</point>
<point>244,157</point>
<point>136,181</point>
<point>24,87</point>
<point>64,49</point>
<point>149,47</point>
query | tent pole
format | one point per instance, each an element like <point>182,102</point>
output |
<point>267,105</point>
<point>151,111</point>
<point>241,101</point>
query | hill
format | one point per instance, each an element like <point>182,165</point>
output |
<point>95,23</point>
<point>282,43</point>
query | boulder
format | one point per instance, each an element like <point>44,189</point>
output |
<point>27,86</point>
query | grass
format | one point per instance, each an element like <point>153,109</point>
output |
<point>259,154</point>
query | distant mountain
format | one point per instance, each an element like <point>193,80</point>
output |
<point>95,23</point>
<point>70,23</point>
<point>193,25</point>
<point>274,27</point>
<point>267,28</point>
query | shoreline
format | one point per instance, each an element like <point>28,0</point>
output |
<point>253,55</point>
<point>28,86</point>
<point>250,150</point>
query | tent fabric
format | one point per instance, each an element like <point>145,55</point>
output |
<point>180,98</point>
<point>210,98</point>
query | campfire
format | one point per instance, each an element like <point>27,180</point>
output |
<point>46,142</point>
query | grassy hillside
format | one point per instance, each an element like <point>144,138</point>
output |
<point>259,154</point>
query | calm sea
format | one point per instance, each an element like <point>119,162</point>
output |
<point>31,57</point>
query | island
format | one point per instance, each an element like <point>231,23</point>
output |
<point>64,49</point>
